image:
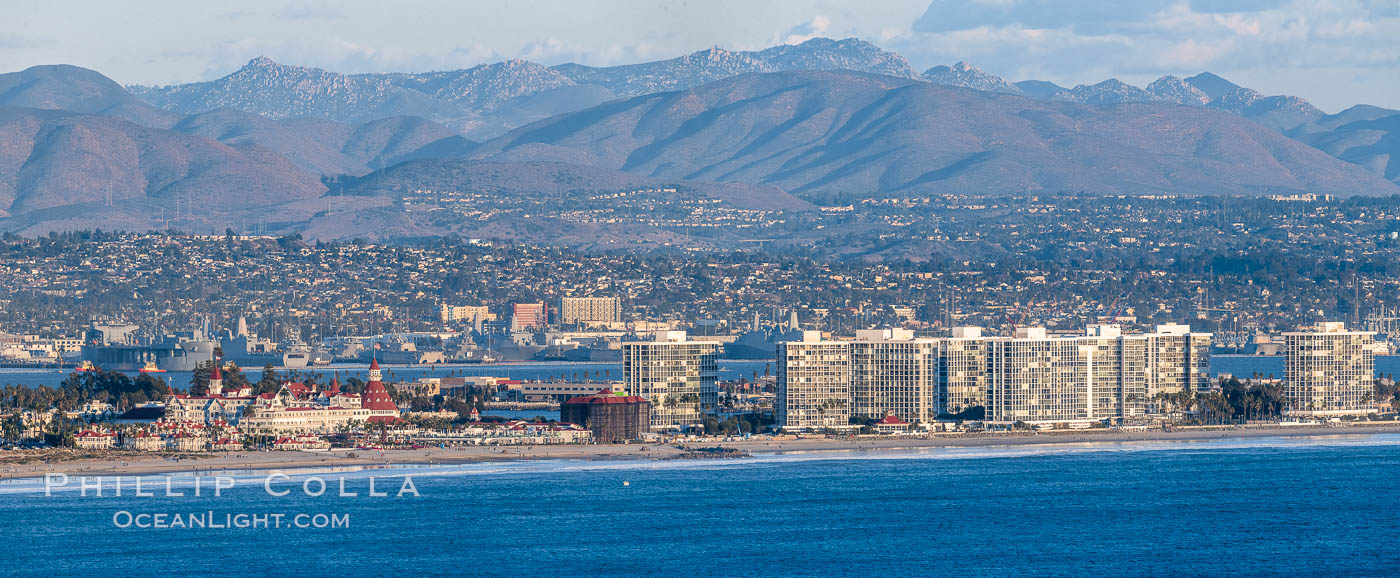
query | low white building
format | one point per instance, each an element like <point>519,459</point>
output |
<point>95,440</point>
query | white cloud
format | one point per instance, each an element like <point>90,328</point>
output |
<point>814,28</point>
<point>1287,43</point>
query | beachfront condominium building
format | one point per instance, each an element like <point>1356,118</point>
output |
<point>917,379</point>
<point>814,383</point>
<point>1031,377</point>
<point>890,371</point>
<point>677,375</point>
<point>1328,371</point>
<point>589,310</point>
<point>1177,360</point>
<point>528,317</point>
<point>1036,378</point>
<point>962,371</point>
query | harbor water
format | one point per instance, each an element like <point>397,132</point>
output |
<point>1237,365</point>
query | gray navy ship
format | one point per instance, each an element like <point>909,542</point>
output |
<point>762,342</point>
<point>121,347</point>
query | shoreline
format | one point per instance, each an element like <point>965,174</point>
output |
<point>135,464</point>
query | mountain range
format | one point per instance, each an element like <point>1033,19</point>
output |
<point>776,128</point>
<point>487,100</point>
<point>822,133</point>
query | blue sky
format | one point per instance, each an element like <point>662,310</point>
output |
<point>1333,52</point>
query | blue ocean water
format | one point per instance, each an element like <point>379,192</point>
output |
<point>1253,507</point>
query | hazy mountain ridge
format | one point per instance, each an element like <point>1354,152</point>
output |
<point>716,63</point>
<point>1178,90</point>
<point>1278,112</point>
<point>968,76</point>
<point>280,91</point>
<point>1211,85</point>
<point>489,99</point>
<point>1368,136</point>
<point>817,133</point>
<point>484,87</point>
<point>1111,91</point>
<point>1042,89</point>
<point>1205,89</point>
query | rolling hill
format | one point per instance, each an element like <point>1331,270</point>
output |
<point>74,89</point>
<point>54,159</point>
<point>318,146</point>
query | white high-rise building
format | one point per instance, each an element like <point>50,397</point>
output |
<point>814,383</point>
<point>678,376</point>
<point>917,379</point>
<point>1032,377</point>
<point>893,372</point>
<point>1328,371</point>
<point>962,371</point>
<point>1036,378</point>
<point>1177,360</point>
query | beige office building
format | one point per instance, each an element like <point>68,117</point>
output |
<point>814,384</point>
<point>678,376</point>
<point>450,313</point>
<point>589,310</point>
<point>1328,371</point>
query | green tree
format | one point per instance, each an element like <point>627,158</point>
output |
<point>12,427</point>
<point>270,382</point>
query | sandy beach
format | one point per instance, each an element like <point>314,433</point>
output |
<point>115,463</point>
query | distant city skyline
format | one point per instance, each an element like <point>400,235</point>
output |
<point>1333,53</point>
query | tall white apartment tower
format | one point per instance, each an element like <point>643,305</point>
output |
<point>814,383</point>
<point>1328,371</point>
<point>678,376</point>
<point>962,370</point>
<point>1177,360</point>
<point>893,372</point>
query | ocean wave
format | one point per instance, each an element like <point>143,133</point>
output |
<point>770,458</point>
